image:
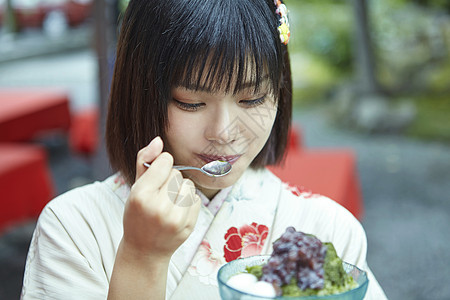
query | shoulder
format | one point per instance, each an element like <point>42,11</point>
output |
<point>83,216</point>
<point>99,194</point>
<point>85,199</point>
<point>76,238</point>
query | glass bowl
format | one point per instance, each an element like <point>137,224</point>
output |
<point>238,266</point>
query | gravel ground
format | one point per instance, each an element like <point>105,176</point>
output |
<point>405,185</point>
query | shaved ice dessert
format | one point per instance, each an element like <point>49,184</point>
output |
<point>300,265</point>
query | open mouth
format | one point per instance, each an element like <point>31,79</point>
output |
<point>209,158</point>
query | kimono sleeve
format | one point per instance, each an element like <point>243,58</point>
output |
<point>56,267</point>
<point>350,240</point>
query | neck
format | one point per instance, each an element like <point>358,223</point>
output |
<point>209,193</point>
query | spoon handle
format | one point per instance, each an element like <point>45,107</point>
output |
<point>181,168</point>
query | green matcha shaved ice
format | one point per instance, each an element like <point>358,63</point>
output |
<point>255,270</point>
<point>336,280</point>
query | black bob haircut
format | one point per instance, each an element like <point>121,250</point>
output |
<point>167,43</point>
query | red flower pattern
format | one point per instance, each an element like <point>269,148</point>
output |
<point>206,264</point>
<point>299,191</point>
<point>119,180</point>
<point>246,241</point>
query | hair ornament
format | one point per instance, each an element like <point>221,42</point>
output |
<point>283,27</point>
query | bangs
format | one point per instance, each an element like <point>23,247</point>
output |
<point>218,74</point>
<point>225,55</point>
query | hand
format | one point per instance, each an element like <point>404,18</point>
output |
<point>162,208</point>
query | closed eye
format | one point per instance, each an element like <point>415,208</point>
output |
<point>188,106</point>
<point>253,102</point>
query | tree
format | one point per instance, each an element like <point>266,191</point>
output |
<point>9,22</point>
<point>365,61</point>
<point>369,109</point>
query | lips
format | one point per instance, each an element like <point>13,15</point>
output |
<point>209,158</point>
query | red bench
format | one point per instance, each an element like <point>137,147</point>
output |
<point>84,133</point>
<point>25,180</point>
<point>25,183</point>
<point>25,112</point>
<point>330,172</point>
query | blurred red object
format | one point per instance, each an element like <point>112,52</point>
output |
<point>26,113</point>
<point>329,172</point>
<point>84,134</point>
<point>42,13</point>
<point>25,182</point>
<point>294,138</point>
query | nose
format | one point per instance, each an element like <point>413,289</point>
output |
<point>223,126</point>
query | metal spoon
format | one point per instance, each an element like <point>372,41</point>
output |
<point>216,168</point>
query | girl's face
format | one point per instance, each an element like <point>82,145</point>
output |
<point>206,126</point>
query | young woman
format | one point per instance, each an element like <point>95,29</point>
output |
<point>201,81</point>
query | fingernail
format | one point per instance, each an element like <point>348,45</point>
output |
<point>155,140</point>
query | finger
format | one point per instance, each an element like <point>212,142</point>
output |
<point>193,212</point>
<point>172,186</point>
<point>188,203</point>
<point>158,173</point>
<point>148,154</point>
<point>189,213</point>
<point>186,195</point>
<point>185,210</point>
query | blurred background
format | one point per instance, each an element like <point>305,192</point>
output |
<point>370,77</point>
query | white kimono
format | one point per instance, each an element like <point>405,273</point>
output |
<point>74,245</point>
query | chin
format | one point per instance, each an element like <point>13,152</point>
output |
<point>207,182</point>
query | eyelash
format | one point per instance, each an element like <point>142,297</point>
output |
<point>188,106</point>
<point>196,106</point>
<point>254,102</point>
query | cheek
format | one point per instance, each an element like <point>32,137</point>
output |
<point>177,128</point>
<point>183,128</point>
<point>260,121</point>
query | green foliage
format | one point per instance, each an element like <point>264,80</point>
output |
<point>123,5</point>
<point>323,29</point>
<point>411,40</point>
<point>432,121</point>
<point>313,78</point>
<point>439,79</point>
<point>320,47</point>
<point>440,4</point>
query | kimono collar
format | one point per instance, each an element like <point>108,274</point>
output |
<point>216,202</point>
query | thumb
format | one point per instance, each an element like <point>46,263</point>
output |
<point>148,155</point>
